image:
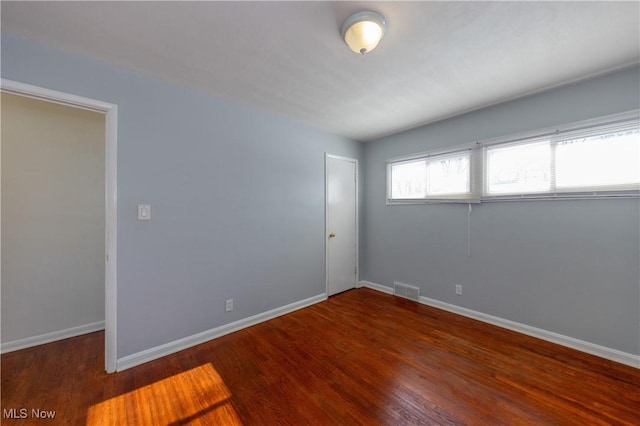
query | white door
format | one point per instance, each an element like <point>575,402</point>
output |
<point>341,223</point>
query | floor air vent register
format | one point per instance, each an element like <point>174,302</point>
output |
<point>407,291</point>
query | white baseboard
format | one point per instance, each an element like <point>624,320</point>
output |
<point>374,286</point>
<point>570,342</point>
<point>196,339</point>
<point>16,345</point>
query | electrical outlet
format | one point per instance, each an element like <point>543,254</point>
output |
<point>458,289</point>
<point>229,305</point>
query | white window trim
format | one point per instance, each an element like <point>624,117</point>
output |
<point>478,163</point>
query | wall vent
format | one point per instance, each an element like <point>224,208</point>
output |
<point>407,291</point>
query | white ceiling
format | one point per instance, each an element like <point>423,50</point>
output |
<point>437,59</point>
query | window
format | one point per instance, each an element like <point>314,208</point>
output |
<point>606,160</point>
<point>409,180</point>
<point>519,169</point>
<point>587,159</point>
<point>439,176</point>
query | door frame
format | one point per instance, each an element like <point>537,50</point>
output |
<point>110,111</point>
<point>326,218</point>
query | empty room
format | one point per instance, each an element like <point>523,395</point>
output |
<point>323,212</point>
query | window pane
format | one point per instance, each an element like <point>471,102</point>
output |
<point>519,169</point>
<point>409,180</point>
<point>610,159</point>
<point>449,175</point>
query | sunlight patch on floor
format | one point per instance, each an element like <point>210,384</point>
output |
<point>185,398</point>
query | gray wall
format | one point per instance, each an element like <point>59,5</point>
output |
<point>570,267</point>
<point>237,198</point>
<point>52,217</point>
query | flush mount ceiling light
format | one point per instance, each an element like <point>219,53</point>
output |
<point>363,31</point>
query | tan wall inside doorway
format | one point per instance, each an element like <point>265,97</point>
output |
<point>53,216</point>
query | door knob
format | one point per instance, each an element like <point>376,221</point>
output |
<point>332,235</point>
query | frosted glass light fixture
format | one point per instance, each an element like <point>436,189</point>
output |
<point>363,31</point>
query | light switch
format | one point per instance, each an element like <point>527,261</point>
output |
<point>144,212</point>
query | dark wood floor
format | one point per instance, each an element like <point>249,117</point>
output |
<point>362,357</point>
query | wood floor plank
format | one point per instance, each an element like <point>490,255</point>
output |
<point>361,357</point>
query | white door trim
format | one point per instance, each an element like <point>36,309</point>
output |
<point>326,219</point>
<point>111,195</point>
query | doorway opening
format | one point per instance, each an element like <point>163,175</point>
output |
<point>110,199</point>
